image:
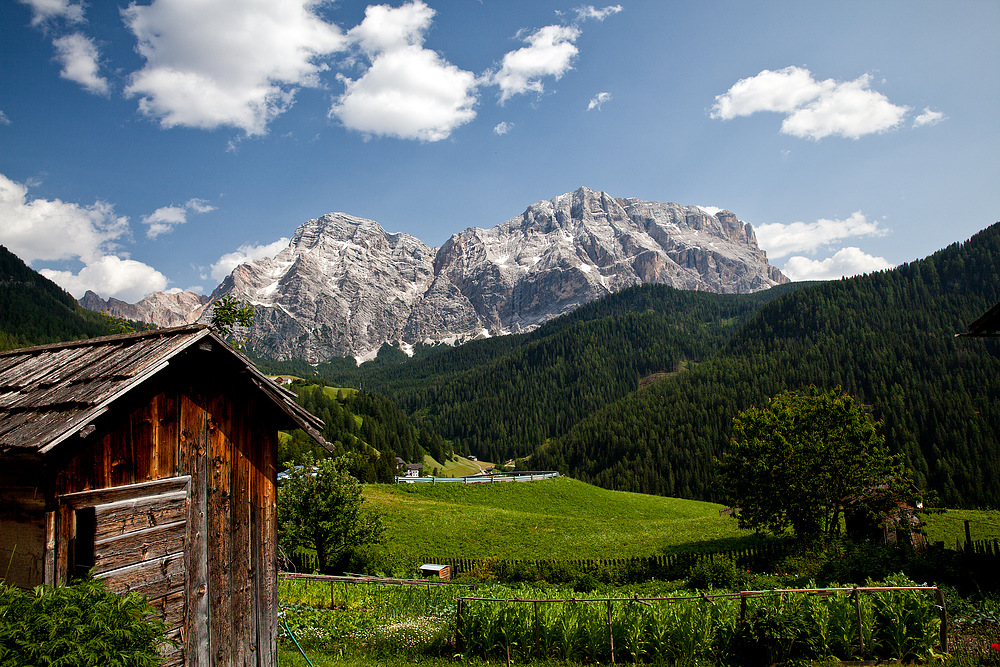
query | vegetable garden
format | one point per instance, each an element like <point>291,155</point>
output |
<point>892,619</point>
<point>766,627</point>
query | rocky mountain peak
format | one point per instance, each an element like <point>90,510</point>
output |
<point>344,286</point>
<point>162,309</point>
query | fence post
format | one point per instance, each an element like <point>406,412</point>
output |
<point>861,632</point>
<point>944,619</point>
<point>611,634</point>
<point>538,648</point>
<point>743,608</point>
<point>458,626</point>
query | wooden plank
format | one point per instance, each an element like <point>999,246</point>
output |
<point>155,578</point>
<point>192,430</point>
<point>51,574</point>
<point>220,543</point>
<point>267,476</point>
<point>170,609</point>
<point>241,571</point>
<point>63,544</point>
<point>174,605</point>
<point>125,492</point>
<point>167,435</point>
<point>126,516</point>
<point>139,546</point>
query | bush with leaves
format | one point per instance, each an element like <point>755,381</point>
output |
<point>230,315</point>
<point>80,625</point>
<point>320,506</point>
<point>808,461</point>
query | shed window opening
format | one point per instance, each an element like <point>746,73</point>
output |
<point>82,549</point>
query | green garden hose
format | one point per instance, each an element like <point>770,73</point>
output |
<point>292,635</point>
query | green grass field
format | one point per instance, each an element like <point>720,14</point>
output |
<point>559,518</point>
<point>458,467</point>
<point>950,526</point>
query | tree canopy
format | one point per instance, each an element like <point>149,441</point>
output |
<point>806,461</point>
<point>320,506</point>
<point>228,314</point>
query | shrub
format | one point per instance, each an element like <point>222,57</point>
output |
<point>721,573</point>
<point>83,624</point>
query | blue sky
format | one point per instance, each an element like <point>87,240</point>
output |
<point>153,145</point>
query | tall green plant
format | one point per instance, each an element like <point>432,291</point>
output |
<point>80,625</point>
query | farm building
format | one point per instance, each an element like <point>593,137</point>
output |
<point>150,458</point>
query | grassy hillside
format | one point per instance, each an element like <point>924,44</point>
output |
<point>557,518</point>
<point>949,526</point>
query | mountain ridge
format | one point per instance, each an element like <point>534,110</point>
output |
<point>344,286</point>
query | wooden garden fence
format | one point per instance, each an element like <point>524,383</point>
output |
<point>744,596</point>
<point>749,557</point>
<point>360,579</point>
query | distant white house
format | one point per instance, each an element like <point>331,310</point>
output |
<point>413,469</point>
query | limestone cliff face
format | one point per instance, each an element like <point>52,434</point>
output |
<point>162,309</point>
<point>344,286</point>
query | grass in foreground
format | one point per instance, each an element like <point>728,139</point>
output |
<point>559,519</point>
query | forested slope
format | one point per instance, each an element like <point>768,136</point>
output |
<point>366,428</point>
<point>34,310</point>
<point>502,397</point>
<point>887,338</point>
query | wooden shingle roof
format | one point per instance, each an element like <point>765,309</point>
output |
<point>50,392</point>
<point>988,325</point>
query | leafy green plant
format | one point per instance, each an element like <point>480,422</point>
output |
<point>80,625</point>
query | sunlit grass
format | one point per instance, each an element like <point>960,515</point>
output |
<point>949,526</point>
<point>559,518</point>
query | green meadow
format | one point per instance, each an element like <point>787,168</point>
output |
<point>558,518</point>
<point>949,526</point>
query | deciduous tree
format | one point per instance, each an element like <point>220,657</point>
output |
<point>229,313</point>
<point>320,506</point>
<point>808,460</point>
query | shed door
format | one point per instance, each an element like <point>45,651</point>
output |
<point>133,537</point>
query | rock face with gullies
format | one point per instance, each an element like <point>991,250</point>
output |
<point>344,286</point>
<point>162,309</point>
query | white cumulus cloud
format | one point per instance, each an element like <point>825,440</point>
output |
<point>164,219</point>
<point>245,253</point>
<point>589,12</point>
<point>408,92</point>
<point>598,101</point>
<point>929,117</point>
<point>42,229</point>
<point>236,64</point>
<point>45,11</point>
<point>80,62</point>
<point>550,51</point>
<point>781,240</point>
<point>813,109</point>
<point>110,276</point>
<point>503,127</point>
<point>4,120</point>
<point>846,262</point>
<point>53,230</point>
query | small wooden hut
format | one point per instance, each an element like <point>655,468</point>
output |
<point>150,458</point>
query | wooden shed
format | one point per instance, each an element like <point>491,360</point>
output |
<point>151,458</point>
<point>435,570</point>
